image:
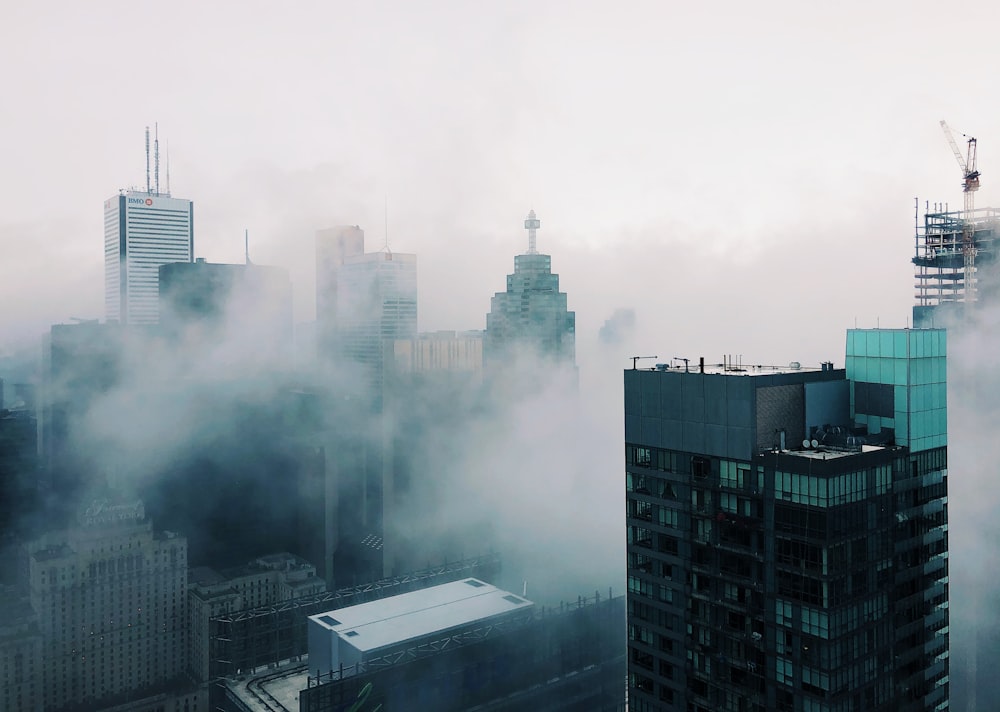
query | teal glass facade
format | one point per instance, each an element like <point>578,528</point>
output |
<point>911,365</point>
<point>787,533</point>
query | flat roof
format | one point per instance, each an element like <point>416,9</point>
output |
<point>720,369</point>
<point>268,687</point>
<point>388,621</point>
<point>826,453</point>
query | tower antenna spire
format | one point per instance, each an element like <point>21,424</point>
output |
<point>148,186</point>
<point>246,245</point>
<point>386,222</point>
<point>531,224</point>
<point>168,167</point>
<point>156,157</point>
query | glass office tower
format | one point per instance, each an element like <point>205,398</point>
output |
<point>787,532</point>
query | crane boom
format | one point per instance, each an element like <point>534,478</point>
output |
<point>970,184</point>
<point>954,146</point>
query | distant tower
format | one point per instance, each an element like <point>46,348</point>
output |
<point>531,224</point>
<point>143,230</point>
<point>532,314</point>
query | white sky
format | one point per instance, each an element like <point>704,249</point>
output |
<point>742,174</point>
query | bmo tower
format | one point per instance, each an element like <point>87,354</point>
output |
<point>142,230</point>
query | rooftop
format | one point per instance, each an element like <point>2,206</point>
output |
<point>693,366</point>
<point>388,621</point>
<point>271,687</point>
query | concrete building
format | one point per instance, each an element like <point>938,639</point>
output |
<point>788,534</point>
<point>437,352</point>
<point>532,313</point>
<point>265,581</point>
<point>20,654</point>
<point>142,230</point>
<point>110,597</point>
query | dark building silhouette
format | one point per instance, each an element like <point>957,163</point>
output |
<point>80,363</point>
<point>241,305</point>
<point>787,532</point>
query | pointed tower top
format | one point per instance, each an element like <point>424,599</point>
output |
<point>531,224</point>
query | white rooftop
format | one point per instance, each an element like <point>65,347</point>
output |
<point>393,620</point>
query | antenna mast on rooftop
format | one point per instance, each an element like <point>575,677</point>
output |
<point>386,223</point>
<point>531,224</point>
<point>168,168</point>
<point>148,186</point>
<point>156,157</point>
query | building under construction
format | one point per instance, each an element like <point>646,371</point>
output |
<point>955,258</point>
<point>943,288</point>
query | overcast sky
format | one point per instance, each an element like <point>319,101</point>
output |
<point>741,174</point>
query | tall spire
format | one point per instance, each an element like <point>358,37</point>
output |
<point>531,224</point>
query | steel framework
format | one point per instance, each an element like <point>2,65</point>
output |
<point>243,641</point>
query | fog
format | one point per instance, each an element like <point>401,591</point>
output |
<point>738,179</point>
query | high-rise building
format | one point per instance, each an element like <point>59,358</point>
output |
<point>333,246</point>
<point>142,230</point>
<point>787,532</point>
<point>376,303</point>
<point>110,597</point>
<point>241,305</point>
<point>532,312</point>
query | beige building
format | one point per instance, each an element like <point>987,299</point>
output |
<point>20,654</point>
<point>110,597</point>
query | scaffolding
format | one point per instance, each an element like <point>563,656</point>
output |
<point>939,259</point>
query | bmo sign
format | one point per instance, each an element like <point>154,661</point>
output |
<point>139,201</point>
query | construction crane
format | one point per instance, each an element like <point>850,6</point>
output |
<point>970,184</point>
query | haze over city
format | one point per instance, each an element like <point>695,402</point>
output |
<point>712,181</point>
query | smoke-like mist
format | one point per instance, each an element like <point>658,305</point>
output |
<point>974,501</point>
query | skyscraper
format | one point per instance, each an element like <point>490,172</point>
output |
<point>376,303</point>
<point>787,532</point>
<point>243,304</point>
<point>333,246</point>
<point>142,230</point>
<point>531,313</point>
<point>110,598</point>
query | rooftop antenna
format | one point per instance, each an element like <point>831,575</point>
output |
<point>531,224</point>
<point>148,186</point>
<point>246,245</point>
<point>635,359</point>
<point>386,222</point>
<point>168,168</point>
<point>156,156</point>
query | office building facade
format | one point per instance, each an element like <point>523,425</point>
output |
<point>333,246</point>
<point>787,532</point>
<point>243,305</point>
<point>141,232</point>
<point>376,303</point>
<point>532,313</point>
<point>110,598</point>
